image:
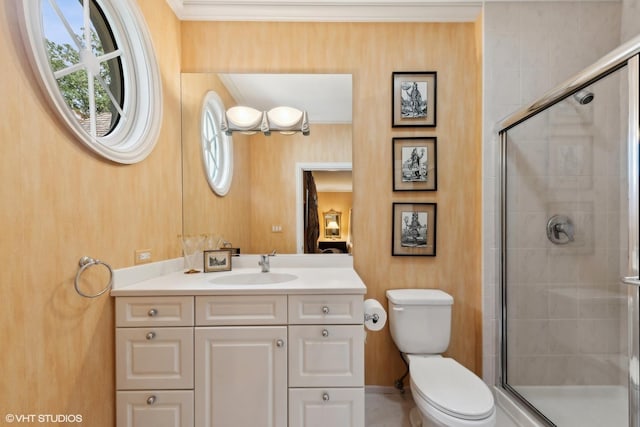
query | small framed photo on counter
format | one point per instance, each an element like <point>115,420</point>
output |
<point>217,260</point>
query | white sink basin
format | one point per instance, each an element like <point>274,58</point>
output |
<point>254,279</point>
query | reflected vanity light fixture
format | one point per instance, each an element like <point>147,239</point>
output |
<point>286,120</point>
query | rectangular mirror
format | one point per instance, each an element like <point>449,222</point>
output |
<point>260,212</point>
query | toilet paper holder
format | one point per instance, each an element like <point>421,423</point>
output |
<point>373,317</point>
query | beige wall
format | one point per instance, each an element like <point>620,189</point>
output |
<point>339,202</point>
<point>58,203</point>
<point>371,52</point>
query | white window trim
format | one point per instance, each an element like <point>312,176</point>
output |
<point>219,180</point>
<point>136,134</point>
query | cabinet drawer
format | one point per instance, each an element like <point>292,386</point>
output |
<point>310,309</point>
<point>241,310</point>
<point>159,358</point>
<point>326,355</point>
<point>154,311</point>
<point>321,407</point>
<point>154,408</point>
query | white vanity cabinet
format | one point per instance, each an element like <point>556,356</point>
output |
<point>154,361</point>
<point>285,359</point>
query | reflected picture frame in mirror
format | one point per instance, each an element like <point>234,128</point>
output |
<point>332,221</point>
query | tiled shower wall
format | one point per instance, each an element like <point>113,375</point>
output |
<point>566,308</point>
<point>530,47</point>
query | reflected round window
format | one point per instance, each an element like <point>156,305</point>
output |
<point>217,146</point>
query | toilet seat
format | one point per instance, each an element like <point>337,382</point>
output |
<point>450,388</point>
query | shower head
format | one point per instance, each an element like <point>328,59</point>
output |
<point>583,97</point>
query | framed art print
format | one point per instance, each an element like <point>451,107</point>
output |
<point>414,99</point>
<point>217,260</point>
<point>415,164</point>
<point>414,229</point>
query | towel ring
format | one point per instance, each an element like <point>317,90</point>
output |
<point>86,262</point>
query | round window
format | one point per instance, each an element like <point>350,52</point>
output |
<point>97,65</point>
<point>217,147</point>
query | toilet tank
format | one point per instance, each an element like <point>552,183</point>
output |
<point>420,320</point>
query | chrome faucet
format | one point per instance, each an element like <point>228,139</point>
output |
<point>264,263</point>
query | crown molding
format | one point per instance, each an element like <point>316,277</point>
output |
<point>327,11</point>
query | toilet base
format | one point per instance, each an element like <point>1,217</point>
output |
<point>416,419</point>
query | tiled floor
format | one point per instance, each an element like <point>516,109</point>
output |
<point>391,409</point>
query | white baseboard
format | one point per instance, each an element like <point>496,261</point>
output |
<point>383,389</point>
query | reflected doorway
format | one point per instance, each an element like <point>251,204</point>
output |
<point>323,187</point>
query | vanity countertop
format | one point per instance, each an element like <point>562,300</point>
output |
<point>325,280</point>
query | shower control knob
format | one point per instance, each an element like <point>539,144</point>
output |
<point>325,333</point>
<point>325,397</point>
<point>151,335</point>
<point>325,309</point>
<point>153,312</point>
<point>560,230</point>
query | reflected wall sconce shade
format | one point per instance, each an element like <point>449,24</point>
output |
<point>286,120</point>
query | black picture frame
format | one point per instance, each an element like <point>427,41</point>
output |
<point>415,163</point>
<point>217,260</point>
<point>414,229</point>
<point>414,97</point>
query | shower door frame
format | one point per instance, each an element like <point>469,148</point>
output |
<point>626,55</point>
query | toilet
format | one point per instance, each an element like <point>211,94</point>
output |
<point>445,392</point>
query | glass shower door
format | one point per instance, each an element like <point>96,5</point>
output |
<point>566,314</point>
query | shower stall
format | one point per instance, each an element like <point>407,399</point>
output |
<point>568,226</point>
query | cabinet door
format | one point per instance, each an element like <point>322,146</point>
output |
<point>326,356</point>
<point>315,407</point>
<point>241,376</point>
<point>154,358</point>
<point>154,408</point>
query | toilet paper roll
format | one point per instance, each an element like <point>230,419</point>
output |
<point>375,317</point>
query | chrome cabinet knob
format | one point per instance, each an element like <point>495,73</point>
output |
<point>151,335</point>
<point>325,397</point>
<point>280,342</point>
<point>325,333</point>
<point>152,313</point>
<point>325,309</point>
<point>151,400</point>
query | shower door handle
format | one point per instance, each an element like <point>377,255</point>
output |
<point>631,281</point>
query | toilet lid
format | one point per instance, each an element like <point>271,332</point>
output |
<point>451,388</point>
